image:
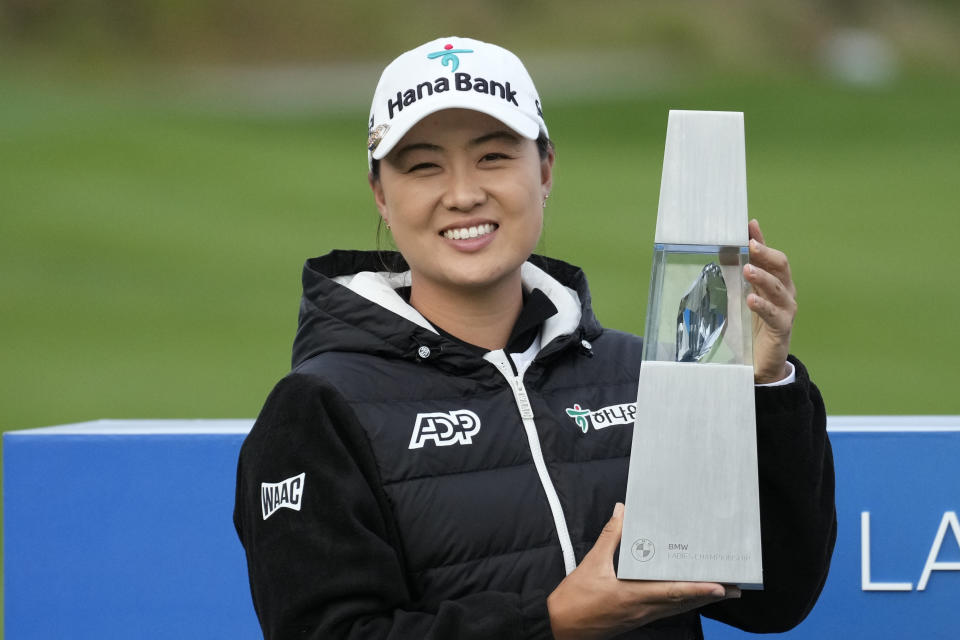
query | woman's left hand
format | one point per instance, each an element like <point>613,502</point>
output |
<point>774,304</point>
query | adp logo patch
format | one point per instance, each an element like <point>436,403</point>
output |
<point>445,428</point>
<point>286,493</point>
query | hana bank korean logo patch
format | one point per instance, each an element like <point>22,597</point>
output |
<point>448,57</point>
<point>615,414</point>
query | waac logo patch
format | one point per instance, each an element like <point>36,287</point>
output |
<point>284,494</point>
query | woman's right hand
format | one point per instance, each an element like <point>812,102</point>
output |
<point>591,603</point>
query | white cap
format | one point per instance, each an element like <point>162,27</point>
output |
<point>451,73</point>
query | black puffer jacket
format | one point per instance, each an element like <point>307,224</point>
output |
<point>397,485</point>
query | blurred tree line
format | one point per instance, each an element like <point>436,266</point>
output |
<point>743,34</point>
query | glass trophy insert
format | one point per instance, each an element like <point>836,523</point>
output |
<point>697,309</point>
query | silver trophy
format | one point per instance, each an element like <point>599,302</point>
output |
<point>692,505</point>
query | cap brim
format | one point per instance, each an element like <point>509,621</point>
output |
<point>510,116</point>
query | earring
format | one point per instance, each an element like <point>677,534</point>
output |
<point>545,196</point>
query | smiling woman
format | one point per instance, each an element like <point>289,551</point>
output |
<point>448,485</point>
<point>463,197</point>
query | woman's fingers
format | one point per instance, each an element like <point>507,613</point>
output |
<point>777,320</point>
<point>767,258</point>
<point>774,301</point>
<point>771,298</point>
<point>773,262</point>
<point>675,594</point>
<point>606,544</point>
<point>754,232</point>
<point>649,601</point>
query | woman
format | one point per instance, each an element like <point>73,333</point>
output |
<point>417,474</point>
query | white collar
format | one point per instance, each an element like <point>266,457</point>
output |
<point>380,288</point>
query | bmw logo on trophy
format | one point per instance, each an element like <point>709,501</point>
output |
<point>692,492</point>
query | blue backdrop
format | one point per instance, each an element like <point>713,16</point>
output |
<point>122,529</point>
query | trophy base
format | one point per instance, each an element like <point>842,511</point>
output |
<point>692,504</point>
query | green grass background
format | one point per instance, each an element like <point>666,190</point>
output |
<point>150,247</point>
<point>150,251</point>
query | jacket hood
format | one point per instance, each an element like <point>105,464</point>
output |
<point>350,304</point>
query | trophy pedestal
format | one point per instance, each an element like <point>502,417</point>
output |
<point>692,493</point>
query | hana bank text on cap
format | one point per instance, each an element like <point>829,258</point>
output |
<point>451,73</point>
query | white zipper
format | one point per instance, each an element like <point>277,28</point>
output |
<point>499,360</point>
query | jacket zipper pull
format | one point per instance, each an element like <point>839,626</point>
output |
<point>523,402</point>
